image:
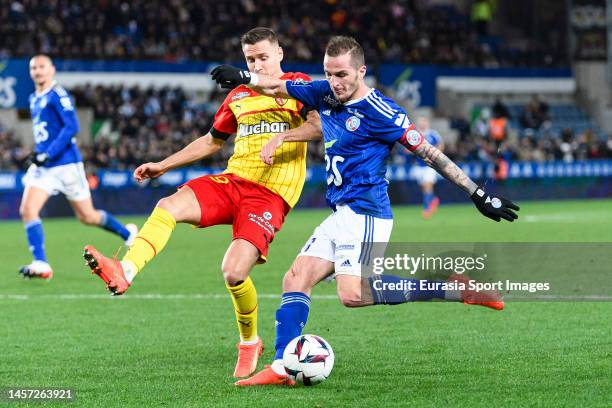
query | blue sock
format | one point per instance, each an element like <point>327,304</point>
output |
<point>291,318</point>
<point>427,199</point>
<point>110,223</point>
<point>393,290</point>
<point>36,240</point>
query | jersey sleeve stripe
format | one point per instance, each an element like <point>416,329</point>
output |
<point>383,104</point>
<point>371,102</point>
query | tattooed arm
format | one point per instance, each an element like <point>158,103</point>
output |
<point>491,206</point>
<point>445,166</point>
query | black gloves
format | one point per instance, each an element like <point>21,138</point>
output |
<point>494,208</point>
<point>38,159</point>
<point>230,77</point>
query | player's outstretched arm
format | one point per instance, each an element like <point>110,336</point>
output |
<point>198,149</point>
<point>309,130</point>
<point>494,207</point>
<point>229,77</point>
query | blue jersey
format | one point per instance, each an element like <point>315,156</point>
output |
<point>358,136</point>
<point>434,139</point>
<point>55,126</point>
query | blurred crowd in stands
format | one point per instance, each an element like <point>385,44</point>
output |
<point>403,31</point>
<point>134,125</point>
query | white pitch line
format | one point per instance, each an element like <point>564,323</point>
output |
<point>148,296</point>
<point>562,217</point>
<point>207,296</point>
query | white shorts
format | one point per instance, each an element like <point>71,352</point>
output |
<point>339,239</point>
<point>425,175</point>
<point>68,179</point>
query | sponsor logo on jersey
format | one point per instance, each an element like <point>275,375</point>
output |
<point>262,127</point>
<point>414,138</point>
<point>327,112</point>
<point>300,81</point>
<point>355,112</point>
<point>330,100</point>
<point>330,143</point>
<point>240,95</point>
<point>352,123</point>
<point>281,101</point>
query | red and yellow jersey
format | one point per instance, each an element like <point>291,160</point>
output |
<point>255,119</point>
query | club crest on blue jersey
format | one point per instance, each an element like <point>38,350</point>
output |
<point>352,123</point>
<point>414,138</point>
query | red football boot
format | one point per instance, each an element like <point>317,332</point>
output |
<point>109,270</point>
<point>483,298</point>
<point>248,354</point>
<point>267,376</point>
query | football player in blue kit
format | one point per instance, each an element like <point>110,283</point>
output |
<point>360,126</point>
<point>425,175</point>
<point>56,167</point>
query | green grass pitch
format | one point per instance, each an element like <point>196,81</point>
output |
<point>171,340</point>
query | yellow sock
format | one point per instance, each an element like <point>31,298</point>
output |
<point>151,238</point>
<point>244,298</point>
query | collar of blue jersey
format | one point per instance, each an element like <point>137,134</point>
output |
<point>354,101</point>
<point>47,90</point>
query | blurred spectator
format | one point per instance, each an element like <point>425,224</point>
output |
<point>12,153</point>
<point>482,14</point>
<point>535,114</point>
<point>402,31</point>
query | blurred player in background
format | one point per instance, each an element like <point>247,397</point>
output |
<point>250,195</point>
<point>360,127</point>
<point>56,167</point>
<point>426,176</point>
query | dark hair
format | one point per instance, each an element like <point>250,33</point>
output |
<point>340,45</point>
<point>46,56</point>
<point>258,34</point>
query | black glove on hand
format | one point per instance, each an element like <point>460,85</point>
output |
<point>38,159</point>
<point>494,208</point>
<point>230,77</point>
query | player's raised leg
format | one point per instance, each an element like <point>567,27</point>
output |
<point>238,261</point>
<point>33,200</point>
<point>292,315</point>
<point>182,206</point>
<point>88,215</point>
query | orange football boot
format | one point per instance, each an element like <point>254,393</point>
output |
<point>109,270</point>
<point>483,298</point>
<point>432,208</point>
<point>248,354</point>
<point>267,376</point>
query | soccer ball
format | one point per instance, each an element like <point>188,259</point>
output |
<point>308,359</point>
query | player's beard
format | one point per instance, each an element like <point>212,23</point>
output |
<point>350,90</point>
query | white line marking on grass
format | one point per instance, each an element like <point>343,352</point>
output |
<point>567,217</point>
<point>146,296</point>
<point>209,296</point>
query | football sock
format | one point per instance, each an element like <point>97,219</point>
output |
<point>278,367</point>
<point>36,239</point>
<point>291,318</point>
<point>427,199</point>
<point>151,239</point>
<point>401,292</point>
<point>110,223</point>
<point>244,298</point>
